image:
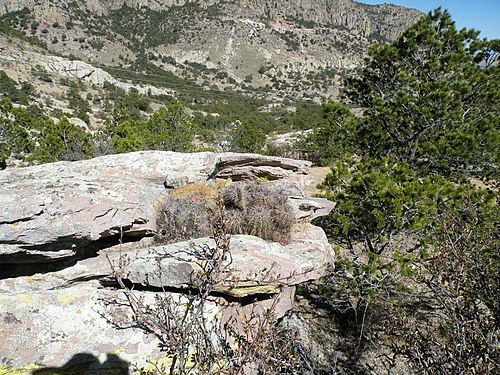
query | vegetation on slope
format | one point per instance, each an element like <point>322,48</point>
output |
<point>418,240</point>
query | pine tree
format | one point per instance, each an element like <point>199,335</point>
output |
<point>247,138</point>
<point>61,140</point>
<point>331,140</point>
<point>427,100</point>
<point>169,129</point>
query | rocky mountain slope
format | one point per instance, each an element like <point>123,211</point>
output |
<point>278,49</point>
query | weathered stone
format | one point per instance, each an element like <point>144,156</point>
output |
<point>260,267</point>
<point>62,210</point>
<point>238,173</point>
<point>58,210</point>
<point>310,208</point>
<point>63,313</point>
<point>235,165</point>
<point>66,311</point>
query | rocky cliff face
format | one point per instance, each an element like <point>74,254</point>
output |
<point>296,48</point>
<point>388,20</point>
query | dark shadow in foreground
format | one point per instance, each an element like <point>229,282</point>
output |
<point>87,364</point>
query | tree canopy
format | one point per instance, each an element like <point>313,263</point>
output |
<point>422,243</point>
<point>428,102</point>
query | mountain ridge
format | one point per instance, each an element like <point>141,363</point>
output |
<point>296,48</point>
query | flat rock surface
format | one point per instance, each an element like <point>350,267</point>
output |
<point>48,318</point>
<point>61,230</point>
<point>56,210</point>
<point>60,210</point>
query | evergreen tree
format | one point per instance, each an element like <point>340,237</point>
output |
<point>125,137</point>
<point>8,88</point>
<point>247,138</point>
<point>61,140</point>
<point>332,139</point>
<point>169,129</point>
<point>16,125</point>
<point>427,100</point>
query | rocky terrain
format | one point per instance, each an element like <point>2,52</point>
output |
<point>273,49</point>
<point>63,225</point>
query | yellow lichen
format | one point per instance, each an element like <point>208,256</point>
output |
<point>25,370</point>
<point>31,279</point>
<point>66,298</point>
<point>251,290</point>
<point>26,298</point>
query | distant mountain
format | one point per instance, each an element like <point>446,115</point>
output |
<point>273,49</point>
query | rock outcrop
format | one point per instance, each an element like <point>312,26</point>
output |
<point>59,210</point>
<point>63,226</point>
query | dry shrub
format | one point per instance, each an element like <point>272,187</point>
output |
<point>259,210</point>
<point>250,208</point>
<point>195,342</point>
<point>183,214</point>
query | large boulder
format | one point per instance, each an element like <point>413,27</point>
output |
<point>66,229</point>
<point>68,209</point>
<point>50,317</point>
<point>61,210</point>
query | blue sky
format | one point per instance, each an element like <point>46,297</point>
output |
<point>483,15</point>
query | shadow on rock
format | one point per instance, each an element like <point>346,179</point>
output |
<point>87,364</point>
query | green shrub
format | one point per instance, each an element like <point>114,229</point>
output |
<point>331,139</point>
<point>169,129</point>
<point>125,137</point>
<point>8,89</point>
<point>247,138</point>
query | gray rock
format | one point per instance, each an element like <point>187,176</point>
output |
<point>59,210</point>
<point>307,208</point>
<point>73,216</point>
<point>251,166</point>
<point>67,209</point>
<point>260,267</point>
<point>49,317</point>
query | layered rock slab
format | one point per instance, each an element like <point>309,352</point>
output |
<point>53,211</point>
<point>48,318</point>
<point>57,211</point>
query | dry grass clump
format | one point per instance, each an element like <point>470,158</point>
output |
<point>192,190</point>
<point>249,208</point>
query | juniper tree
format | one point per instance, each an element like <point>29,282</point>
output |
<point>247,138</point>
<point>170,129</point>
